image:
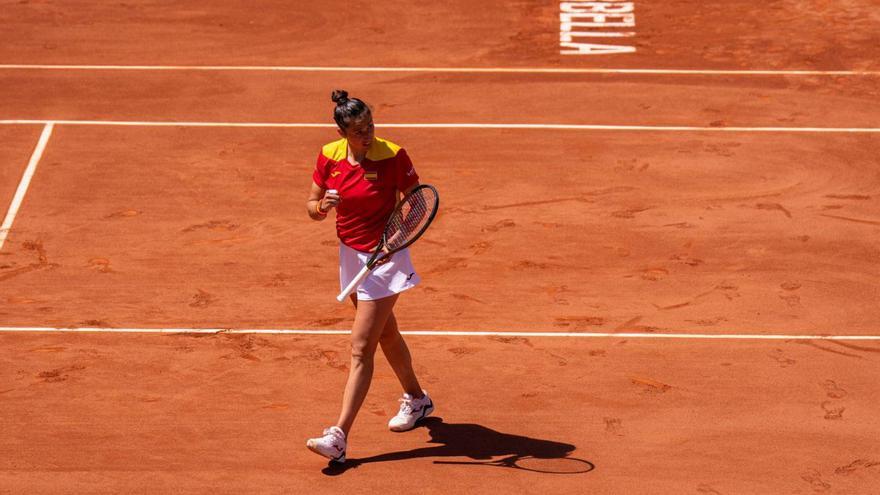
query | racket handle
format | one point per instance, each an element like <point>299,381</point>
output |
<point>354,283</point>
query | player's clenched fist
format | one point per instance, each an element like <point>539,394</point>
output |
<point>331,199</point>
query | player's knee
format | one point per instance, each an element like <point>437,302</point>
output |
<point>361,354</point>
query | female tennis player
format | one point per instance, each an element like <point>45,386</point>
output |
<point>362,177</point>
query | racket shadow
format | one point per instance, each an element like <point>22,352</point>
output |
<point>477,442</point>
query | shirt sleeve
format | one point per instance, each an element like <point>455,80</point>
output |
<point>406,172</point>
<point>321,171</point>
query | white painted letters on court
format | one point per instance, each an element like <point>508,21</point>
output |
<point>610,6</point>
<point>568,21</point>
<point>594,49</point>
<point>579,20</point>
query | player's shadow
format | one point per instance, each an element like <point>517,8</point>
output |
<point>465,440</point>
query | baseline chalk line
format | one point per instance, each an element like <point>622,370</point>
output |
<point>442,333</point>
<point>459,70</point>
<point>520,126</point>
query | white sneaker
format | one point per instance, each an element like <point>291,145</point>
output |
<point>411,410</point>
<point>331,445</point>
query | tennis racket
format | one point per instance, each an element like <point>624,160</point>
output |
<point>409,220</point>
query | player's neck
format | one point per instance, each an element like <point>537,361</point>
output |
<point>356,158</point>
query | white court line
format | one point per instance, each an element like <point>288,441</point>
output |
<point>25,183</point>
<point>575,127</point>
<point>439,333</point>
<point>471,70</point>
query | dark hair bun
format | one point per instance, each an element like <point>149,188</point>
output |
<point>339,96</point>
<point>347,109</point>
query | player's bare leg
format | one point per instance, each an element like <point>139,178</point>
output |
<point>369,323</point>
<point>397,353</point>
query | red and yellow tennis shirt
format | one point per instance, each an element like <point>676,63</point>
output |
<point>368,191</point>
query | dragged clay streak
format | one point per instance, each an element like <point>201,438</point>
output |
<point>859,197</point>
<point>774,206</point>
<point>532,203</point>
<point>465,297</point>
<point>674,306</point>
<point>580,199</point>
<point>747,198</point>
<point>216,225</point>
<point>817,346</point>
<point>848,219</point>
<point>628,324</point>
<point>20,271</point>
<point>455,209</point>
<point>857,347</point>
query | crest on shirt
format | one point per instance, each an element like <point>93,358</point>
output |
<point>371,175</point>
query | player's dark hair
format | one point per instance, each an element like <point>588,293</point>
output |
<point>347,109</point>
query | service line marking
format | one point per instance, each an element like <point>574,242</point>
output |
<point>25,183</point>
<point>467,70</point>
<point>574,127</point>
<point>441,333</point>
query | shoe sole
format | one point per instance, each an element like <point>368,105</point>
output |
<point>425,412</point>
<point>339,459</point>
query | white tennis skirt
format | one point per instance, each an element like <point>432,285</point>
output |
<point>385,280</point>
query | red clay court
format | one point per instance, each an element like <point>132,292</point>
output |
<point>659,256</point>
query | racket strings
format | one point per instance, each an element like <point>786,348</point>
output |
<point>409,221</point>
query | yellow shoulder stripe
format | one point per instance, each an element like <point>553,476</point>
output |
<point>382,150</point>
<point>337,150</point>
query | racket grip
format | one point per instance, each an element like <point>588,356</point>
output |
<point>354,283</point>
